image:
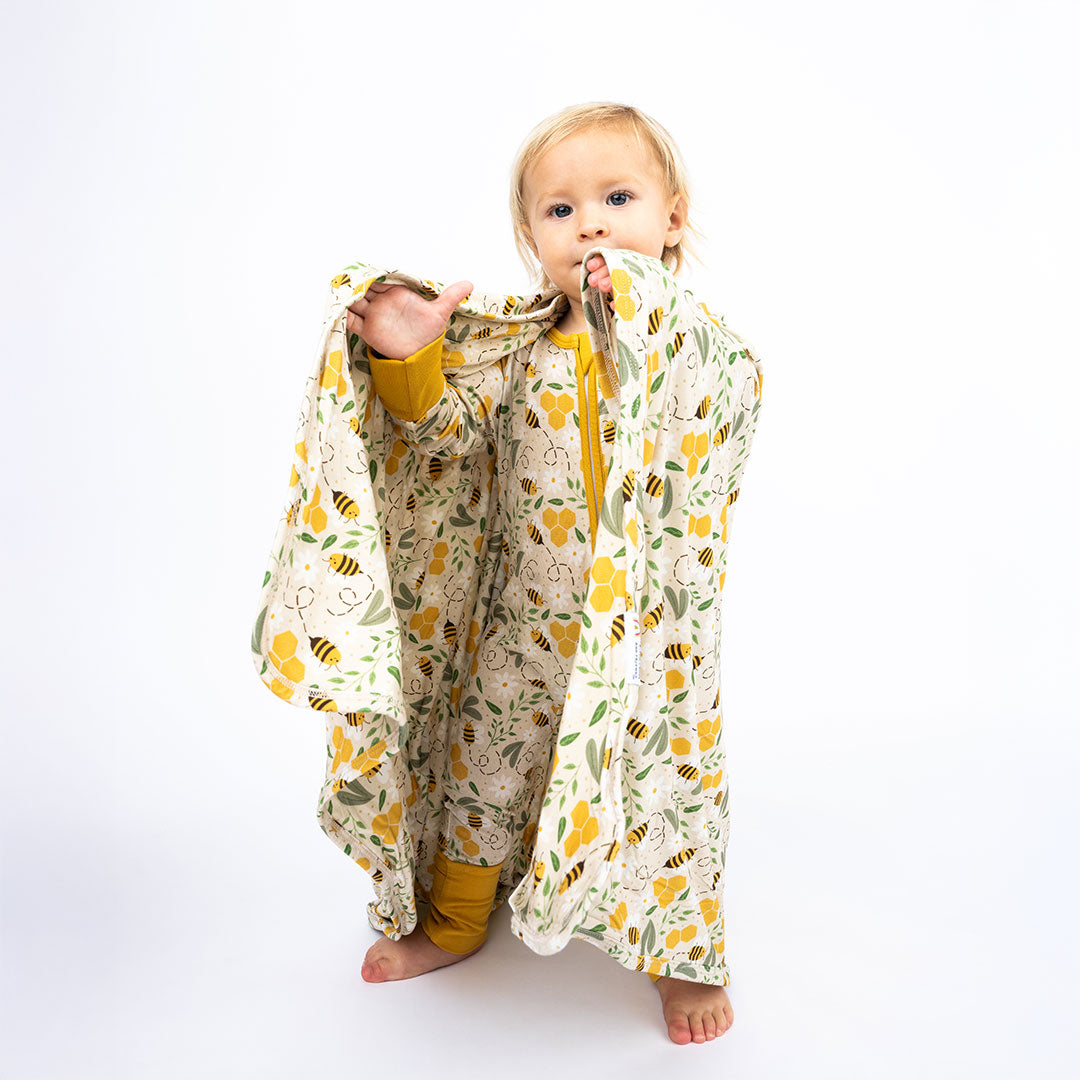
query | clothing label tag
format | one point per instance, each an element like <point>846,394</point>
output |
<point>633,649</point>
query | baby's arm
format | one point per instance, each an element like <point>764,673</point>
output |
<point>445,416</point>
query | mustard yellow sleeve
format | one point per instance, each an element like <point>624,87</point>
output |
<point>410,387</point>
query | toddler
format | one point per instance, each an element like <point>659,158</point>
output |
<point>600,174</point>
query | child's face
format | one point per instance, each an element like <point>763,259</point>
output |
<point>574,197</point>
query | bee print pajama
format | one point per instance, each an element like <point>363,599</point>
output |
<point>541,406</point>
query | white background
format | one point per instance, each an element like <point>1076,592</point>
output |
<point>890,198</point>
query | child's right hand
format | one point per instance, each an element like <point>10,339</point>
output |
<point>398,322</point>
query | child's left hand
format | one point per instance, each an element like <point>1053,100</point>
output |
<point>600,276</point>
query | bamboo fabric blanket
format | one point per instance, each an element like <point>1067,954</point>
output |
<point>381,575</point>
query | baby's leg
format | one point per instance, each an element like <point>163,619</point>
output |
<point>462,895</point>
<point>498,751</point>
<point>499,755</point>
<point>454,927</point>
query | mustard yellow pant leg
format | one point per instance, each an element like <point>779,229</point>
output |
<point>461,898</point>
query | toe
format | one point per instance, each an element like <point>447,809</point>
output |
<point>727,1018</point>
<point>679,1030</point>
<point>697,1029</point>
<point>708,1022</point>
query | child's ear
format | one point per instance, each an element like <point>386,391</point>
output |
<point>678,214</point>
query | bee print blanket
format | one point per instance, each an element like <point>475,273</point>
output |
<point>381,588</point>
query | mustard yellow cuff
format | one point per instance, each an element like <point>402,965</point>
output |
<point>462,895</point>
<point>408,388</point>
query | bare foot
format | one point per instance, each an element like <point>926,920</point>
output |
<point>695,1012</point>
<point>412,955</point>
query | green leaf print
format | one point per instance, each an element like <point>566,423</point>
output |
<point>611,513</point>
<point>679,603</point>
<point>592,756</point>
<point>404,600</point>
<point>648,937</point>
<point>353,794</point>
<point>256,634</point>
<point>592,931</point>
<point>376,612</point>
<point>701,337</point>
<point>511,751</point>
<point>454,335</point>
<point>659,739</point>
<point>463,518</point>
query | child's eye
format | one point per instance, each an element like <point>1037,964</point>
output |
<point>614,194</point>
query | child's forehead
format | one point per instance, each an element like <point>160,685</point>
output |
<point>584,164</point>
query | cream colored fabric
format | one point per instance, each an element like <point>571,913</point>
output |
<point>384,579</point>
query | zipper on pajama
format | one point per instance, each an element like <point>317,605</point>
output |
<point>592,457</point>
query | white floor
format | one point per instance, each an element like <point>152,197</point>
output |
<point>866,941</point>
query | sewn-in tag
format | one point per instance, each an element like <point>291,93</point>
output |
<point>633,649</point>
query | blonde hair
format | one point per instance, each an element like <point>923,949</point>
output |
<point>649,134</point>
